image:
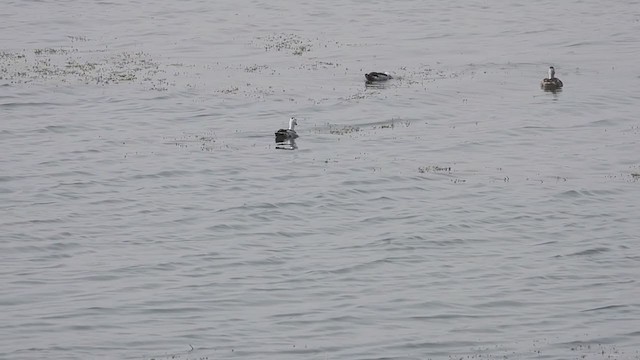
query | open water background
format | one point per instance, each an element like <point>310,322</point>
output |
<point>458,211</point>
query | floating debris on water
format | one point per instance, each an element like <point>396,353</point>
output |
<point>50,51</point>
<point>205,142</point>
<point>336,129</point>
<point>77,38</point>
<point>69,65</point>
<point>255,68</point>
<point>434,169</point>
<point>392,124</point>
<point>286,42</point>
<point>342,130</point>
<point>231,90</point>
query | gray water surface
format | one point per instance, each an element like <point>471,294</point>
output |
<point>456,211</point>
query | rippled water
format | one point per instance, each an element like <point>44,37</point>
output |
<point>456,211</point>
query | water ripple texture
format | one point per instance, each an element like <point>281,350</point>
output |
<point>454,211</point>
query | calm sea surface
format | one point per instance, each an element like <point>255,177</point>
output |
<point>456,211</point>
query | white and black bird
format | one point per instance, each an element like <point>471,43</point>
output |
<point>552,82</point>
<point>283,135</point>
<point>377,76</point>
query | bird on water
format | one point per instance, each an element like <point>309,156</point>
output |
<point>283,135</point>
<point>377,76</point>
<point>552,82</point>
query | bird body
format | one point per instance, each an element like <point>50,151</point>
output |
<point>552,82</point>
<point>377,76</point>
<point>287,134</point>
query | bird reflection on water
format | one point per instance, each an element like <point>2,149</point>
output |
<point>374,84</point>
<point>289,144</point>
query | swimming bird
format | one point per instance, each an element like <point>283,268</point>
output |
<point>377,76</point>
<point>287,134</point>
<point>552,82</point>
